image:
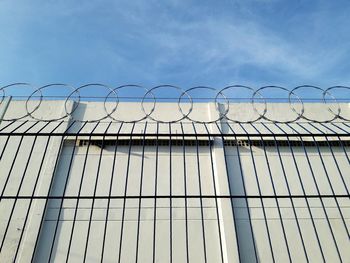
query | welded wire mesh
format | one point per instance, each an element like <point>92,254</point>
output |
<point>174,192</point>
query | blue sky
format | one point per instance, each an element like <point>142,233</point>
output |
<point>185,43</point>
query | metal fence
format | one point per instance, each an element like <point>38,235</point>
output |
<point>75,191</point>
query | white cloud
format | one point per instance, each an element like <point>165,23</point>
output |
<point>214,41</point>
<point>220,43</point>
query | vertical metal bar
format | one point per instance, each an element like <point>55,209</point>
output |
<point>333,156</point>
<point>16,128</point>
<point>19,189</point>
<point>8,138</point>
<point>274,191</point>
<point>79,191</point>
<point>27,163</point>
<point>155,199</point>
<point>200,193</point>
<point>64,190</point>
<point>170,199</point>
<point>5,145</point>
<point>337,166</point>
<point>289,192</point>
<point>125,197</point>
<point>185,192</point>
<point>319,193</point>
<point>34,189</point>
<point>5,103</point>
<point>110,191</point>
<point>140,194</point>
<point>342,144</point>
<point>244,189</point>
<point>27,130</point>
<point>340,128</point>
<point>259,190</point>
<point>216,199</point>
<point>345,124</point>
<point>327,175</point>
<point>49,189</point>
<point>95,189</point>
<point>304,191</point>
<point>14,160</point>
<point>8,125</point>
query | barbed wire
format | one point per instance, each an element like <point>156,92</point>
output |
<point>222,98</point>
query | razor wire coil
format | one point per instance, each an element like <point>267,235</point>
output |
<point>223,102</point>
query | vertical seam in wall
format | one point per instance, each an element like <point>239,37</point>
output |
<point>218,146</point>
<point>27,246</point>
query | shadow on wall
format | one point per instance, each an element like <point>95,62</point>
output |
<point>245,235</point>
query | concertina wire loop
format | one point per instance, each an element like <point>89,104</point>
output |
<point>220,99</point>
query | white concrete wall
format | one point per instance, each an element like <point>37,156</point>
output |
<point>271,209</point>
